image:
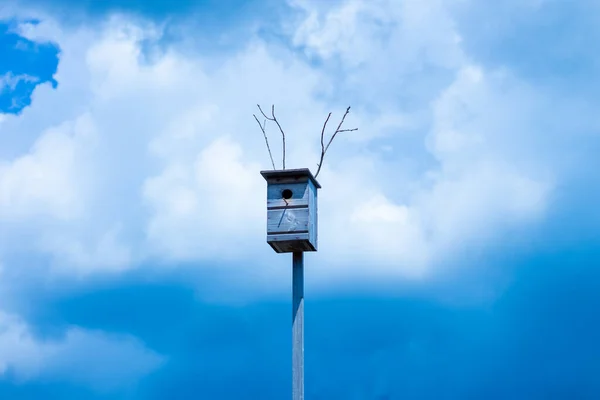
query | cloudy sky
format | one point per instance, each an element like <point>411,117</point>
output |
<point>459,227</point>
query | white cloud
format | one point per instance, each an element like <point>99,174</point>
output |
<point>81,356</point>
<point>394,55</point>
<point>9,81</point>
<point>366,32</point>
<point>159,159</point>
<point>206,209</point>
<point>44,180</point>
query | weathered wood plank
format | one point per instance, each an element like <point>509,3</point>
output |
<point>287,220</point>
<point>282,237</point>
<point>296,243</point>
<point>300,195</point>
<point>290,176</point>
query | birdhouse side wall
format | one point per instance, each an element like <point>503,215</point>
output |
<point>313,219</point>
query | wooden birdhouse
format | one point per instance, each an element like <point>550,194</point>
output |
<point>291,210</point>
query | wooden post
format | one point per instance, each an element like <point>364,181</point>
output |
<point>298,326</point>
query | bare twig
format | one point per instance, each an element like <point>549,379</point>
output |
<point>338,130</point>
<point>262,128</point>
<point>274,119</point>
<point>323,130</point>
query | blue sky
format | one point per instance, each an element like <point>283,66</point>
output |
<point>458,227</point>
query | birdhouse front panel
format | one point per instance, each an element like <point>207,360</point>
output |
<point>287,220</point>
<point>281,195</point>
<point>291,210</point>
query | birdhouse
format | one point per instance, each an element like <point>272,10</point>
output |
<point>291,210</point>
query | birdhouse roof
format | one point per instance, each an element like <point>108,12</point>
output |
<point>290,175</point>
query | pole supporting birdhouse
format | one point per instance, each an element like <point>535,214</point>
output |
<point>292,228</point>
<point>298,326</point>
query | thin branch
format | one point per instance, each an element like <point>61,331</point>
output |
<point>324,126</point>
<point>338,130</point>
<point>262,128</point>
<point>323,144</point>
<point>274,119</point>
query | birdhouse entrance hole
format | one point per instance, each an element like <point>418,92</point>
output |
<point>287,194</point>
